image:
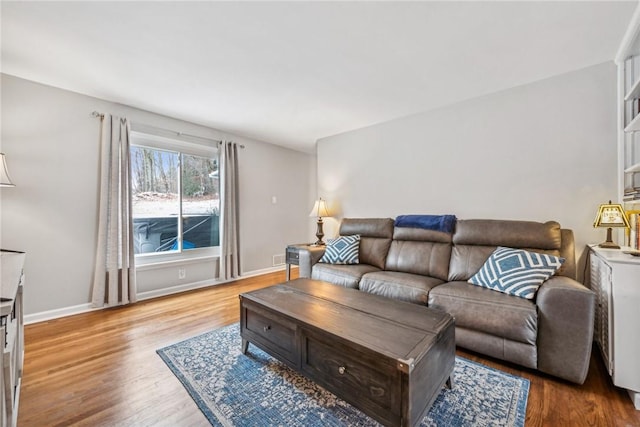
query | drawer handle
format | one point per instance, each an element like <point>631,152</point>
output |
<point>342,370</point>
<point>267,328</point>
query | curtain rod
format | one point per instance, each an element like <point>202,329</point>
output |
<point>101,115</point>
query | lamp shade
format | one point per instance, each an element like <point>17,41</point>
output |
<point>611,215</point>
<point>5,180</point>
<point>319,209</point>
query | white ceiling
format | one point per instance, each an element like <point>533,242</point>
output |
<point>290,73</point>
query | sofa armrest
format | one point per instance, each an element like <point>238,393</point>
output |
<point>307,258</point>
<point>565,328</point>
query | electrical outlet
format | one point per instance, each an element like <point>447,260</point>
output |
<point>278,259</point>
<point>182,273</point>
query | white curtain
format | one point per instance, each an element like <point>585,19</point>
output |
<point>115,279</point>
<point>229,234</point>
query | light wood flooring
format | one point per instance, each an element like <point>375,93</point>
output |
<point>101,369</point>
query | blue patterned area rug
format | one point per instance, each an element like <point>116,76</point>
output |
<point>233,389</point>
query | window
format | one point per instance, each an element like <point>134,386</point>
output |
<point>175,196</point>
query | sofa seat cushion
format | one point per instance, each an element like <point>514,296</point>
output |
<point>492,312</point>
<point>343,275</point>
<point>400,286</point>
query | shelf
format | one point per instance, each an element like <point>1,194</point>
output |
<point>634,125</point>
<point>633,168</point>
<point>634,92</point>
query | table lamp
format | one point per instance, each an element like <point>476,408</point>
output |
<point>5,180</point>
<point>610,215</point>
<point>319,210</point>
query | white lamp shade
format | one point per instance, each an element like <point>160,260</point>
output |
<point>5,180</point>
<point>319,209</point>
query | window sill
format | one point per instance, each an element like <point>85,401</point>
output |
<point>150,263</point>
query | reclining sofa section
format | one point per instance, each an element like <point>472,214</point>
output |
<point>552,332</point>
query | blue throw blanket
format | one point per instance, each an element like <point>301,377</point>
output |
<point>444,223</point>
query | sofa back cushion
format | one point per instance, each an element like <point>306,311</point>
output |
<point>375,238</point>
<point>475,240</point>
<point>420,251</point>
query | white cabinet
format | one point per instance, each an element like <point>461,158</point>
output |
<point>615,278</point>
<point>11,335</point>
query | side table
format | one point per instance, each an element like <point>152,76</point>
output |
<point>292,256</point>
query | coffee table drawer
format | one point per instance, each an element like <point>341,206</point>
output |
<point>275,334</point>
<point>363,379</point>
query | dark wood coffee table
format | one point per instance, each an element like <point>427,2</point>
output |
<point>388,358</point>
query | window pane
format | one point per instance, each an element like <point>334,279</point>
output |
<point>155,197</point>
<point>200,202</point>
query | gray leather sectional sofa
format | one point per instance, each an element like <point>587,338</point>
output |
<point>552,332</point>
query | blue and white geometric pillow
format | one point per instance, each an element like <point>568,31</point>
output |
<point>342,250</point>
<point>516,271</point>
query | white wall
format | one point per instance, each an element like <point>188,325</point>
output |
<point>51,142</point>
<point>544,151</point>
